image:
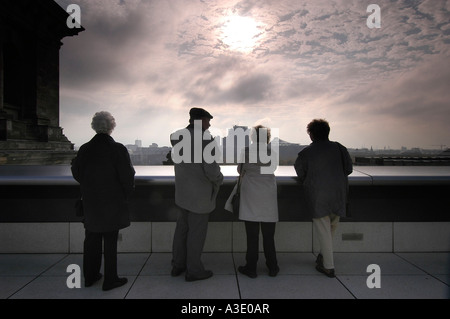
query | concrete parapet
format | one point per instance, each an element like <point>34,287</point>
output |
<point>157,237</point>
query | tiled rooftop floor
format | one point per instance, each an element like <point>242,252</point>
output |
<point>403,276</point>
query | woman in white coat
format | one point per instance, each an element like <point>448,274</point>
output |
<point>258,204</point>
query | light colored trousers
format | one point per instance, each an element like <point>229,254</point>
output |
<point>325,228</point>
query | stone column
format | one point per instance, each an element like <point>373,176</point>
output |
<point>3,119</point>
<point>1,78</point>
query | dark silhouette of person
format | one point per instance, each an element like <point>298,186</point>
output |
<point>323,168</point>
<point>197,184</point>
<point>106,176</point>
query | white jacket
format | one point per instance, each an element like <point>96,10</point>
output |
<point>258,194</point>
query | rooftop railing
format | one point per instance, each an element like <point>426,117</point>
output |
<point>47,193</point>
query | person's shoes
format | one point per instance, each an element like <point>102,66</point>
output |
<point>205,275</point>
<point>89,283</point>
<point>273,272</point>
<point>177,271</point>
<point>244,270</point>
<point>119,282</point>
<point>327,272</point>
<point>319,260</point>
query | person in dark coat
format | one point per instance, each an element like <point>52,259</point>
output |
<point>106,176</point>
<point>323,169</point>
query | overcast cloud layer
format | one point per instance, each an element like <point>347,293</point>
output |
<point>148,62</point>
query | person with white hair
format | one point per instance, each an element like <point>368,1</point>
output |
<point>106,176</point>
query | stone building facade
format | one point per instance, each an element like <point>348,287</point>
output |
<point>30,42</point>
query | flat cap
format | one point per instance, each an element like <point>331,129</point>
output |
<point>198,113</point>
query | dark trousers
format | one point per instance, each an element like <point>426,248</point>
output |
<point>188,241</point>
<point>92,257</point>
<point>268,233</point>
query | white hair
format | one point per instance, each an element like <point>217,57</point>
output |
<point>103,122</point>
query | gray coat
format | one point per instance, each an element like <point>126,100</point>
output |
<point>196,184</point>
<point>323,169</point>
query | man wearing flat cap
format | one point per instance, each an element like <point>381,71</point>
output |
<point>198,114</point>
<point>197,184</point>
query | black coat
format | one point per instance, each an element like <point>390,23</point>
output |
<point>323,169</point>
<point>104,170</point>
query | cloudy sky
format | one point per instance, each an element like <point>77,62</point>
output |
<point>276,62</point>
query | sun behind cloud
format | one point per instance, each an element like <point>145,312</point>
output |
<point>241,34</point>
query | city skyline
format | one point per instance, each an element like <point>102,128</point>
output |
<point>441,147</point>
<point>276,63</point>
<point>435,149</point>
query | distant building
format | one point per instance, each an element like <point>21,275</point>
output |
<point>233,144</point>
<point>30,40</point>
<point>155,155</point>
<point>446,152</point>
<point>288,152</point>
<point>144,156</point>
<point>402,157</point>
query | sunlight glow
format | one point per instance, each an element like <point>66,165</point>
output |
<point>241,34</point>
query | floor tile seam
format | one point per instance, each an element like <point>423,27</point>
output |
<point>138,275</point>
<point>38,276</point>
<point>428,273</point>
<point>18,275</point>
<point>235,267</point>
<point>34,277</point>
<point>236,277</point>
<point>346,288</point>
